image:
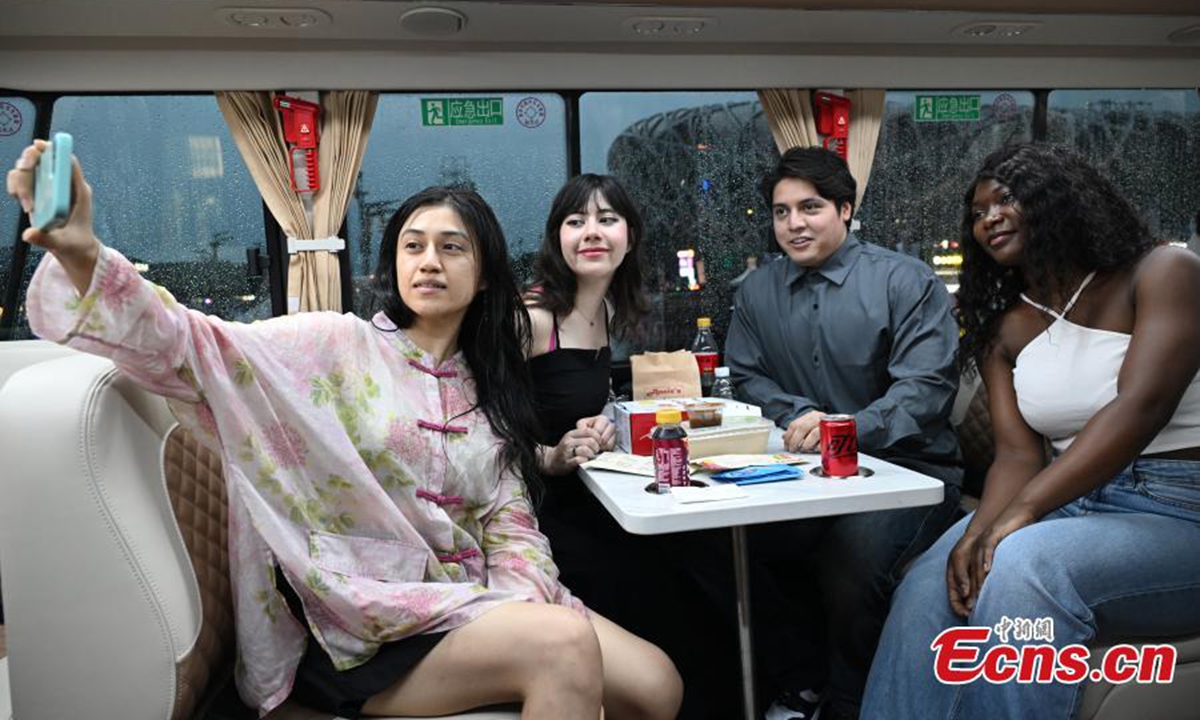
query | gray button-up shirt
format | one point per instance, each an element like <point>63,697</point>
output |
<point>868,333</point>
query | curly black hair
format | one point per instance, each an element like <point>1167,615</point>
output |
<point>1075,221</point>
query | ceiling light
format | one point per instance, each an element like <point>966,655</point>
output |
<point>249,19</point>
<point>299,20</point>
<point>274,18</point>
<point>433,21</point>
<point>997,30</point>
<point>1186,36</point>
<point>649,27</point>
<point>668,27</point>
<point>979,30</point>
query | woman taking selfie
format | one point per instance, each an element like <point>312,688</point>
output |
<point>383,553</point>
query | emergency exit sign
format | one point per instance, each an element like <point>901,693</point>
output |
<point>456,112</point>
<point>947,108</point>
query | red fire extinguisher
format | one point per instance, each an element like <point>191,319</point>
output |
<point>833,121</point>
<point>302,135</point>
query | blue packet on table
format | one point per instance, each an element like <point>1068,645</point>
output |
<point>758,474</point>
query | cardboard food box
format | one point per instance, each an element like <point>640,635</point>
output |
<point>634,420</point>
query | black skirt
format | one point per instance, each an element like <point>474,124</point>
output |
<point>322,687</point>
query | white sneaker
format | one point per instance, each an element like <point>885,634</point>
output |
<point>792,705</point>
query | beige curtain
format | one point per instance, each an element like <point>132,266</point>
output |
<point>866,116</point>
<point>314,276</point>
<point>258,132</point>
<point>790,115</point>
<point>346,118</point>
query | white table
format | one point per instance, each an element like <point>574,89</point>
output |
<point>644,513</point>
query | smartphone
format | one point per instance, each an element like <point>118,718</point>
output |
<point>52,184</point>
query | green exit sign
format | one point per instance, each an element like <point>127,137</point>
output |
<point>457,112</point>
<point>947,108</point>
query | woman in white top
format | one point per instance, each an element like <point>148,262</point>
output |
<point>1085,330</point>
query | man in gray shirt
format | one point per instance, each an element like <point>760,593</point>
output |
<point>842,326</point>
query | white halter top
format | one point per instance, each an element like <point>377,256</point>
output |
<point>1068,373</point>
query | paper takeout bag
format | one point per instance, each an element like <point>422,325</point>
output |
<point>665,375</point>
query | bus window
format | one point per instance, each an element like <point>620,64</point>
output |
<point>511,147</point>
<point>930,144</point>
<point>1147,141</point>
<point>16,130</point>
<point>177,199</point>
<point>692,162</point>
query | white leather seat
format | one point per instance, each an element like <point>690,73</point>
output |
<point>15,355</point>
<point>112,540</point>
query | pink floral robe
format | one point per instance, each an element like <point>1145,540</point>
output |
<point>351,460</point>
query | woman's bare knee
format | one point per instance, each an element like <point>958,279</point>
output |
<point>658,687</point>
<point>641,682</point>
<point>666,701</point>
<point>545,656</point>
<point>564,650</point>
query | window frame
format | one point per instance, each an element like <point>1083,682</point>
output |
<point>275,240</point>
<point>573,162</point>
<point>42,105</point>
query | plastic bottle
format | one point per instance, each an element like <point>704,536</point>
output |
<point>669,443</point>
<point>722,385</point>
<point>704,347</point>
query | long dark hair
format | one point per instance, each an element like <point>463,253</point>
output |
<point>554,284</point>
<point>494,331</point>
<point>1075,220</point>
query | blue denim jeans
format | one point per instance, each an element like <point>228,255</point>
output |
<point>1122,560</point>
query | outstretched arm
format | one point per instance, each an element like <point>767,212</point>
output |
<point>74,245</point>
<point>91,298</point>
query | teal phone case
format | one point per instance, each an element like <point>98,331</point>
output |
<point>52,184</point>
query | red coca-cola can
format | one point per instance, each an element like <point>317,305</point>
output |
<point>839,445</point>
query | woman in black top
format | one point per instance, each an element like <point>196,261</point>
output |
<point>588,282</point>
<point>587,287</point>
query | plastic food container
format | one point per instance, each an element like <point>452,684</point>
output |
<point>704,414</point>
<point>750,438</point>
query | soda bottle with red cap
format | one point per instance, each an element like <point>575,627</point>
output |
<point>704,347</point>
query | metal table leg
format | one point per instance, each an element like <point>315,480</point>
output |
<point>741,571</point>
